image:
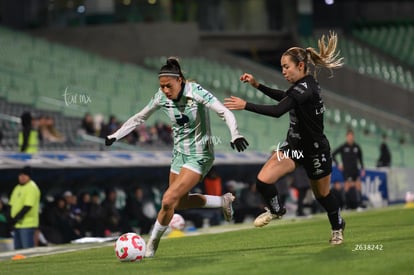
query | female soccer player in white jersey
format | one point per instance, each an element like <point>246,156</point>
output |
<point>186,104</point>
<point>306,143</point>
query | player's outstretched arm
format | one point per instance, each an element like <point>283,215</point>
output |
<point>237,142</point>
<point>275,94</point>
<point>236,103</point>
<point>133,122</point>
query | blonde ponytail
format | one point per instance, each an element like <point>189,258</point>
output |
<point>326,57</point>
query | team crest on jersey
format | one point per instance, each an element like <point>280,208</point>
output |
<point>191,102</point>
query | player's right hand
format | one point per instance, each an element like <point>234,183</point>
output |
<point>109,141</point>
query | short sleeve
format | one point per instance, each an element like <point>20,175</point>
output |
<point>30,198</point>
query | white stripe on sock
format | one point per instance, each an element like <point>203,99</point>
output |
<point>213,201</point>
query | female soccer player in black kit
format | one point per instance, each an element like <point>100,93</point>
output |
<point>305,143</point>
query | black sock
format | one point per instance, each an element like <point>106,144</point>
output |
<point>270,196</point>
<point>359,198</point>
<point>330,203</point>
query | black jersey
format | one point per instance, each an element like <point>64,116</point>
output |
<point>306,108</point>
<point>351,157</point>
<point>306,118</point>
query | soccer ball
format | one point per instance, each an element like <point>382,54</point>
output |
<point>177,222</point>
<point>130,247</point>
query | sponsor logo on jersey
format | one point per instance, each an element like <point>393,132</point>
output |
<point>320,110</point>
<point>298,89</point>
<point>304,84</point>
<point>318,172</point>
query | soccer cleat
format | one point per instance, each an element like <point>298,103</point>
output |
<point>265,218</point>
<point>227,200</point>
<point>337,236</point>
<point>151,247</point>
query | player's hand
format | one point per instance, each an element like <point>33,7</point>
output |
<point>234,103</point>
<point>248,78</point>
<point>240,144</point>
<point>363,173</point>
<point>11,222</point>
<point>109,141</point>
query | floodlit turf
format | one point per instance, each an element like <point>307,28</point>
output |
<point>376,242</point>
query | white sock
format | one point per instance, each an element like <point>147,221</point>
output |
<point>158,230</point>
<point>213,201</point>
<point>42,238</point>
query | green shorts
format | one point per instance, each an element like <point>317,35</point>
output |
<point>200,164</point>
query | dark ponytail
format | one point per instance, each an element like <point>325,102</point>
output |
<point>171,68</point>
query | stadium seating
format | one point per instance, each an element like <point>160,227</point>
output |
<point>395,40</point>
<point>363,60</point>
<point>36,74</point>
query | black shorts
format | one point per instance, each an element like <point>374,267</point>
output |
<point>351,175</point>
<point>317,164</point>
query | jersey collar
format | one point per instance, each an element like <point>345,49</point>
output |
<point>181,93</point>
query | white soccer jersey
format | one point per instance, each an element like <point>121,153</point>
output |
<point>189,117</point>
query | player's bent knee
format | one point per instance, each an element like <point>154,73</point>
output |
<point>169,202</point>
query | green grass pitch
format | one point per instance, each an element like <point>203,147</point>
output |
<point>376,242</point>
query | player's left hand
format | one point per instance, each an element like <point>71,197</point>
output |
<point>234,103</point>
<point>240,144</point>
